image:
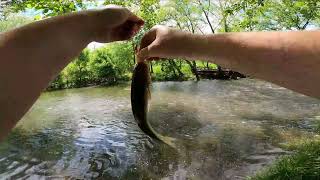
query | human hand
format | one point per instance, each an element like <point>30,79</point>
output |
<point>163,42</point>
<point>114,23</point>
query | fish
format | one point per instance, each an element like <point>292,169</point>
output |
<point>140,96</point>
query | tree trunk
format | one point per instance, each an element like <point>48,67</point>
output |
<point>226,28</point>
<point>220,73</point>
<point>173,63</point>
<point>195,70</point>
<point>193,67</point>
<point>151,67</point>
<point>80,78</point>
<point>134,55</point>
<point>207,16</point>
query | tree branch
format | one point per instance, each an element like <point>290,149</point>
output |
<point>306,24</point>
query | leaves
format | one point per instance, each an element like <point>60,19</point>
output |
<point>48,7</point>
<point>13,21</point>
<point>277,15</point>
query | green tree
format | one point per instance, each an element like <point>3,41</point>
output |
<point>185,15</point>
<point>48,7</point>
<point>57,83</point>
<point>13,21</point>
<point>102,68</point>
<point>274,15</point>
<point>291,15</point>
<point>121,56</point>
<point>77,73</point>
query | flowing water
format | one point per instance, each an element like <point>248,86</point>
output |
<point>226,130</point>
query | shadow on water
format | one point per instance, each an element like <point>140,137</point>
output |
<point>84,148</point>
<point>23,153</point>
<point>209,150</point>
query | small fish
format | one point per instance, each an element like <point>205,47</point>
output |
<point>140,94</point>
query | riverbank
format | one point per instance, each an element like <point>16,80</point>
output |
<point>303,163</point>
<point>205,74</point>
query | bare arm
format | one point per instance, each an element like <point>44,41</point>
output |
<point>32,56</point>
<point>289,59</point>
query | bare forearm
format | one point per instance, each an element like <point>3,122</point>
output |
<point>31,57</point>
<point>289,59</point>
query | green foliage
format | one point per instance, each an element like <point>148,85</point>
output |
<point>290,14</point>
<point>13,21</point>
<point>101,66</point>
<point>121,56</point>
<point>171,70</point>
<point>77,73</point>
<point>106,65</point>
<point>303,164</point>
<point>274,14</point>
<point>57,83</point>
<point>48,7</point>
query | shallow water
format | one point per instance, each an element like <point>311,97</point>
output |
<point>225,130</point>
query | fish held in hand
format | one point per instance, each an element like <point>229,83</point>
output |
<point>140,94</point>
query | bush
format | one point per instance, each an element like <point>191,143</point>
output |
<point>102,69</point>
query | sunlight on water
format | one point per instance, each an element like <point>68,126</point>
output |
<point>225,130</point>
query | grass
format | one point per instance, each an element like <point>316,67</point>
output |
<point>304,163</point>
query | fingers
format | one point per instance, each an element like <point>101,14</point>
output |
<point>127,30</point>
<point>148,38</point>
<point>136,19</point>
<point>127,15</point>
<point>143,54</point>
<point>130,27</point>
<point>148,46</point>
<point>114,23</point>
<point>148,53</point>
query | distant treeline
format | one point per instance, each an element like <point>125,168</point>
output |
<point>114,63</point>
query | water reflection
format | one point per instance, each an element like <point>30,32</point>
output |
<point>225,130</point>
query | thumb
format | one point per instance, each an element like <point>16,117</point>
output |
<point>148,54</point>
<point>143,54</point>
